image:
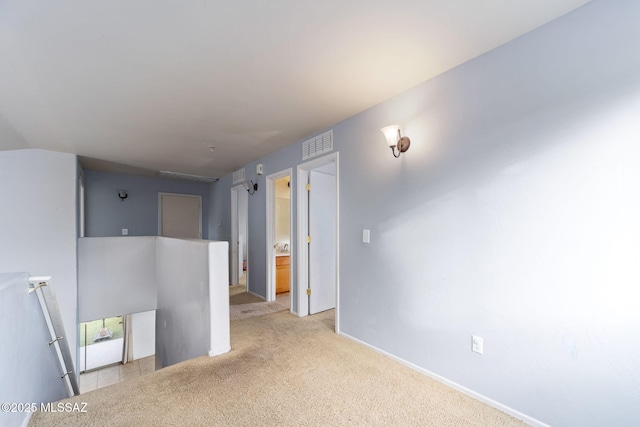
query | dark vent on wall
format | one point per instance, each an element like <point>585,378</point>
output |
<point>319,145</point>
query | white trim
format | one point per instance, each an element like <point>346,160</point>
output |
<point>234,235</point>
<point>160,194</point>
<point>303,256</point>
<point>219,326</point>
<point>516,414</point>
<point>81,203</point>
<point>271,232</point>
<point>337,318</point>
<point>270,237</point>
<point>256,295</point>
<point>218,351</point>
<point>302,223</point>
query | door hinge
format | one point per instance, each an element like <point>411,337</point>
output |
<point>308,239</point>
<point>308,187</point>
<point>308,291</point>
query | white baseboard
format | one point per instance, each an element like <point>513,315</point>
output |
<point>218,351</point>
<point>527,419</point>
<point>256,295</point>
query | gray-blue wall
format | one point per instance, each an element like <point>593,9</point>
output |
<point>106,215</point>
<point>38,224</point>
<point>514,216</point>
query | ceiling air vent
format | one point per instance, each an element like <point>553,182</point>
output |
<point>238,176</point>
<point>319,145</point>
<point>186,176</point>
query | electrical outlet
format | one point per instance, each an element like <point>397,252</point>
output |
<point>477,344</point>
<point>366,235</point>
<point>125,231</point>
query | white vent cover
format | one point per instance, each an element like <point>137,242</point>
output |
<point>238,176</point>
<point>319,145</point>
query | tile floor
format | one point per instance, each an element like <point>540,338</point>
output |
<point>114,374</point>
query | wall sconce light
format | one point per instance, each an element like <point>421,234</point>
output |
<point>250,186</point>
<point>395,139</point>
<point>123,194</point>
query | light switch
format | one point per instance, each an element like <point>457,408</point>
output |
<point>366,235</point>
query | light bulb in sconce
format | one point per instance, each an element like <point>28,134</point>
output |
<point>250,186</point>
<point>396,140</point>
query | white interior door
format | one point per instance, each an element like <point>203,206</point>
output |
<point>233,244</point>
<point>243,231</point>
<point>180,216</point>
<point>322,248</point>
<point>239,245</point>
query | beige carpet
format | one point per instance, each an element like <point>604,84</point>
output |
<point>243,304</point>
<point>244,298</point>
<point>237,289</point>
<point>282,370</point>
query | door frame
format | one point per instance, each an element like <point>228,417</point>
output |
<point>271,231</point>
<point>302,173</point>
<point>233,247</point>
<point>81,211</point>
<point>160,194</point>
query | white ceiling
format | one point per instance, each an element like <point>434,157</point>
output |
<point>152,84</point>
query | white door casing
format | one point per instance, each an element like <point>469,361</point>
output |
<point>243,228</point>
<point>271,238</point>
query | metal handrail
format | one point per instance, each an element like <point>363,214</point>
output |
<point>51,311</point>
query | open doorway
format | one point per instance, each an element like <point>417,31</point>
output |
<point>318,236</point>
<point>279,232</point>
<point>101,343</point>
<point>239,236</point>
<point>116,349</point>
